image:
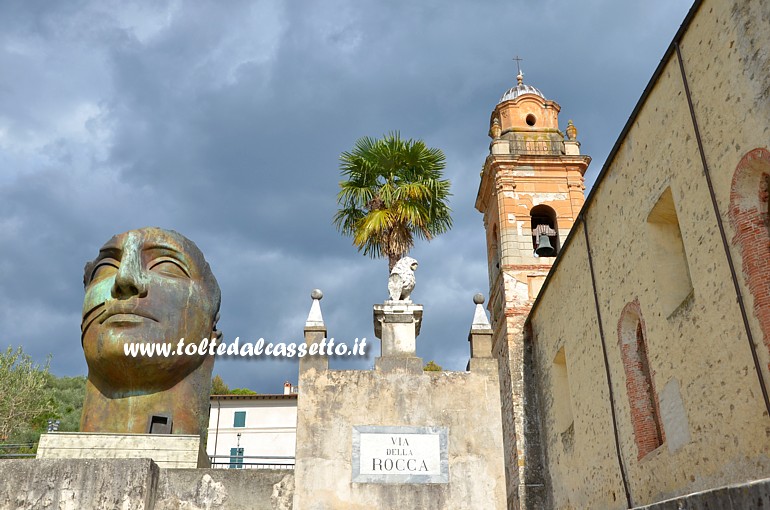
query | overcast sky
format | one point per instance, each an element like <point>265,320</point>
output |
<point>225,121</point>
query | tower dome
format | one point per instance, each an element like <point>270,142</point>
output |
<point>519,90</point>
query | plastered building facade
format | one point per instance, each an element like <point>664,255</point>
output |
<point>644,360</point>
<point>245,430</point>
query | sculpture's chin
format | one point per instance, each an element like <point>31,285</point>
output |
<point>116,372</point>
<point>125,378</point>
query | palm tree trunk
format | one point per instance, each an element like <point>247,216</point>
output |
<point>392,259</point>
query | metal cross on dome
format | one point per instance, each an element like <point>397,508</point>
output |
<point>518,60</point>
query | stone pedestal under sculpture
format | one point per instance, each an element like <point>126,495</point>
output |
<point>166,450</point>
<point>397,321</point>
<point>397,325</point>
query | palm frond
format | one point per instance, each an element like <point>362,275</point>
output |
<point>392,191</point>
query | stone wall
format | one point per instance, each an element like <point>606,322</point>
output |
<point>139,484</point>
<point>397,436</point>
<point>655,244</point>
<point>332,402</point>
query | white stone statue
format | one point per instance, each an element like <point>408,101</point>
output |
<point>401,281</point>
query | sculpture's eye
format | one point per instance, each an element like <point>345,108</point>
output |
<point>104,269</point>
<point>168,267</point>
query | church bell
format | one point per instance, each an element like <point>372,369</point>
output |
<point>544,248</point>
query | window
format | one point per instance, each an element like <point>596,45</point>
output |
<point>531,120</point>
<point>562,404</point>
<point>236,458</point>
<point>160,424</point>
<point>240,419</point>
<point>545,232</point>
<point>669,260</point>
<point>642,399</point>
<point>494,257</point>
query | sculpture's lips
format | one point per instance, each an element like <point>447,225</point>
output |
<point>125,314</point>
<point>124,318</point>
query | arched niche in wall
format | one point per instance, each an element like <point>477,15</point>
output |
<point>666,247</point>
<point>640,388</point>
<point>748,214</point>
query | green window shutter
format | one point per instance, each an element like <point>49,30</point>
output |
<point>240,419</point>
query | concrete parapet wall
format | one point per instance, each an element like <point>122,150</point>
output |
<point>138,484</point>
<point>747,496</point>
<point>78,484</point>
<point>231,489</point>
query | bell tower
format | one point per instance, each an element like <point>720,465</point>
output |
<point>530,194</point>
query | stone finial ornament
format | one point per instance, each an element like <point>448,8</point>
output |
<point>571,131</point>
<point>480,320</point>
<point>315,318</point>
<point>401,281</point>
<point>148,287</point>
<point>495,130</point>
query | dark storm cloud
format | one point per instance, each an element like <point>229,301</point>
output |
<point>226,124</point>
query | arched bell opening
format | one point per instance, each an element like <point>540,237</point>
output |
<point>545,231</point>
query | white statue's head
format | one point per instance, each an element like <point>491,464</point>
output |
<point>404,265</point>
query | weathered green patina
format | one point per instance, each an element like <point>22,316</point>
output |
<point>148,286</point>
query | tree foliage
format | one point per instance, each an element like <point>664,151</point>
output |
<point>67,394</point>
<point>242,391</point>
<point>393,192</point>
<point>25,400</point>
<point>218,386</point>
<point>431,366</point>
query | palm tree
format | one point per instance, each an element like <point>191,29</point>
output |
<point>393,192</point>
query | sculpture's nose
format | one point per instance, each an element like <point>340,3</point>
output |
<point>130,279</point>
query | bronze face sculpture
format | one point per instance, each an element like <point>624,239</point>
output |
<point>148,286</point>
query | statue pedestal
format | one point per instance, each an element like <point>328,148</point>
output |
<point>397,325</point>
<point>167,450</point>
